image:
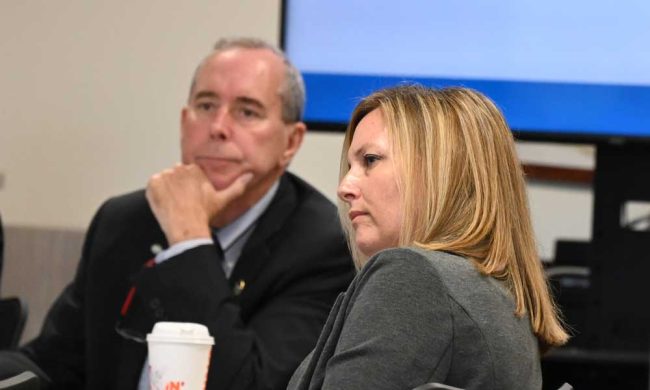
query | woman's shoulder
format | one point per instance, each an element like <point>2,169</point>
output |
<point>422,260</point>
<point>401,261</point>
<point>456,275</point>
<point>397,286</point>
<point>399,271</point>
<point>410,269</point>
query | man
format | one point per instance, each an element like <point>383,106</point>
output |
<point>263,287</point>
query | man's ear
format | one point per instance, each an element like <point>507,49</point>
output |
<point>184,113</point>
<point>296,133</point>
<point>185,158</point>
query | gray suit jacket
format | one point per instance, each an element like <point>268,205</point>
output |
<point>412,317</point>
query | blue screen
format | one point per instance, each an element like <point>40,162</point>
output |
<point>578,68</point>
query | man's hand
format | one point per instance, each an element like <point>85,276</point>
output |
<point>184,201</point>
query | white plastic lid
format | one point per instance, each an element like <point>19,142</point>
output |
<point>180,332</point>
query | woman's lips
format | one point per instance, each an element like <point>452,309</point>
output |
<point>354,214</point>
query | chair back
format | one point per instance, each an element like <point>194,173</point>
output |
<point>24,381</point>
<point>13,314</point>
<point>432,386</point>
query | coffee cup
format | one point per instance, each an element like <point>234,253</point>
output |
<point>179,356</point>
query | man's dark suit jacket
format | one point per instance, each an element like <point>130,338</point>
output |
<point>291,269</point>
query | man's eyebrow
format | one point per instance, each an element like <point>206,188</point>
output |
<point>251,101</point>
<point>204,94</point>
<point>240,99</point>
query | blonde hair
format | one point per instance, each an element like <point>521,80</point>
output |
<point>463,190</point>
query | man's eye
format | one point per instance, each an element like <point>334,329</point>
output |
<point>249,113</point>
<point>205,106</point>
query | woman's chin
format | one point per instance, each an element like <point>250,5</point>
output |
<point>368,249</point>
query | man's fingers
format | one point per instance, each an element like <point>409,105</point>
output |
<point>182,194</point>
<point>236,188</point>
<point>153,188</point>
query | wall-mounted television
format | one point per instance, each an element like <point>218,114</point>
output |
<point>560,70</point>
<point>567,71</point>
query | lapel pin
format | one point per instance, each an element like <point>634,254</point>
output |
<point>240,285</point>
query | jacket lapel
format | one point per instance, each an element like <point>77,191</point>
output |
<point>257,250</point>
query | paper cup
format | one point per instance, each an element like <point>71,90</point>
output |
<point>179,356</point>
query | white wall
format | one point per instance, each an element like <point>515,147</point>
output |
<point>91,91</point>
<point>90,94</point>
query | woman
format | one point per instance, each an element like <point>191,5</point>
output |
<point>450,288</point>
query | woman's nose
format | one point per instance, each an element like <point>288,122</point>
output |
<point>348,189</point>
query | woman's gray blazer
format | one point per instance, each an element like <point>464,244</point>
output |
<point>413,316</point>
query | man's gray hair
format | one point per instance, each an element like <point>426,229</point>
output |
<point>292,89</point>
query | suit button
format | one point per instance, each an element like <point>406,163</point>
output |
<point>154,303</point>
<point>159,313</point>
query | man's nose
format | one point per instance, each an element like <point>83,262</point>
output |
<point>220,128</point>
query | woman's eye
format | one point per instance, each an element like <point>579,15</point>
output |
<point>370,159</point>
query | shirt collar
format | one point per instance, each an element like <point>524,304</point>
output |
<point>228,234</point>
